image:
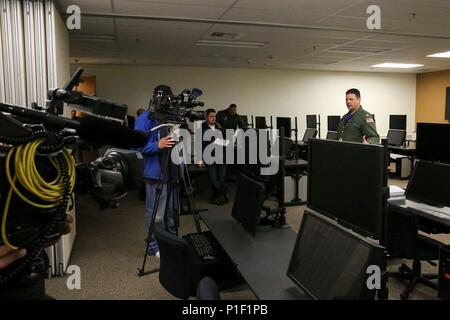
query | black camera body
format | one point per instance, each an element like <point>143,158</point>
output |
<point>32,218</point>
<point>165,107</point>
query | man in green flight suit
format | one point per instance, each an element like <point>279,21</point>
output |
<point>358,125</point>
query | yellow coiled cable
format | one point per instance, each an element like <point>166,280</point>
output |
<point>27,174</point>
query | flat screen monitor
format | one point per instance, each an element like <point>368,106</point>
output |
<point>248,203</point>
<point>309,134</point>
<point>286,124</point>
<point>430,184</point>
<point>260,123</point>
<point>311,121</point>
<point>333,123</point>
<point>331,135</point>
<point>397,121</point>
<point>330,262</point>
<point>348,181</point>
<point>396,137</point>
<point>433,142</point>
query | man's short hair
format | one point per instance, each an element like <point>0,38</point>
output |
<point>208,111</point>
<point>232,106</point>
<point>140,111</point>
<point>354,91</point>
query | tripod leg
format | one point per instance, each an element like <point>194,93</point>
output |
<point>189,191</point>
<point>159,190</point>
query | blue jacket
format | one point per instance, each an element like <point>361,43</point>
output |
<point>150,151</point>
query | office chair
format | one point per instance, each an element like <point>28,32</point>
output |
<point>404,241</point>
<point>179,267</point>
<point>288,146</point>
<point>332,135</point>
<point>309,134</point>
<point>207,289</point>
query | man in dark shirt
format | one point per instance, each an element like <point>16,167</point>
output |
<point>229,118</point>
<point>216,169</point>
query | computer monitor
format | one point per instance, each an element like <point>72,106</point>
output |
<point>332,135</point>
<point>348,182</point>
<point>309,134</point>
<point>430,184</point>
<point>433,142</point>
<point>260,123</point>
<point>286,124</point>
<point>396,137</point>
<point>397,121</point>
<point>330,262</point>
<point>248,203</point>
<point>333,123</point>
<point>311,121</point>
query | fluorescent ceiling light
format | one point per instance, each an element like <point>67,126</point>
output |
<point>234,44</point>
<point>440,55</point>
<point>397,65</point>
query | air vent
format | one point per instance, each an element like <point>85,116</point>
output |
<point>226,35</point>
<point>209,59</point>
<point>358,50</point>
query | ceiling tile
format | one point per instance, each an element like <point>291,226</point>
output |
<point>167,9</point>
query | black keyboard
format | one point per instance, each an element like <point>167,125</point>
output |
<point>202,245</point>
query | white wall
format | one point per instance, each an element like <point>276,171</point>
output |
<point>264,92</point>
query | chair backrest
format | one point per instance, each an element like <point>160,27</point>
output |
<point>396,137</point>
<point>332,135</point>
<point>401,233</point>
<point>309,134</point>
<point>287,147</point>
<point>175,268</point>
<point>207,289</point>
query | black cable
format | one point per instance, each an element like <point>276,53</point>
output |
<point>36,248</point>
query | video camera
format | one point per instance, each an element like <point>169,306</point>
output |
<point>38,173</point>
<point>165,107</point>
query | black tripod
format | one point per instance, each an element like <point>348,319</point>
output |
<point>172,193</point>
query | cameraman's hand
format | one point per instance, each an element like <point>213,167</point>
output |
<point>165,142</point>
<point>8,256</point>
<point>69,220</point>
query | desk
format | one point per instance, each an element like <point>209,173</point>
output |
<point>426,221</point>
<point>408,152</point>
<point>404,151</point>
<point>262,260</point>
<point>296,164</point>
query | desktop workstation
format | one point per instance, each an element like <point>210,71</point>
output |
<point>278,264</point>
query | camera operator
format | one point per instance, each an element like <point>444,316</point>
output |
<point>154,153</point>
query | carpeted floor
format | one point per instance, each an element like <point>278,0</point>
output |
<point>110,245</point>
